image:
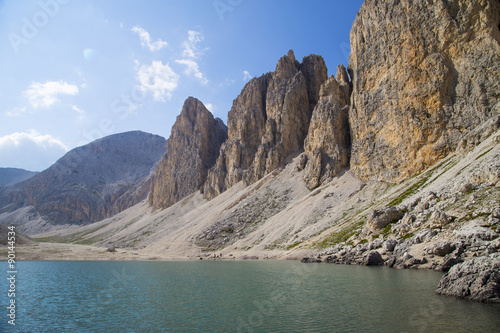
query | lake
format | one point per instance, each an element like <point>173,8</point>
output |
<point>235,296</point>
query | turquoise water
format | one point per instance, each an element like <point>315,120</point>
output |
<point>257,296</point>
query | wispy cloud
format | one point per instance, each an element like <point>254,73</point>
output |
<point>81,113</point>
<point>30,150</point>
<point>192,69</point>
<point>158,79</point>
<point>247,76</point>
<point>191,52</point>
<point>15,112</point>
<point>77,109</point>
<point>46,94</point>
<point>191,49</point>
<point>145,38</point>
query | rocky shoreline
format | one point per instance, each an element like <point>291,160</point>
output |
<point>471,262</point>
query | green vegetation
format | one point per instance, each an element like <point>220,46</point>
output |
<point>387,229</point>
<point>289,247</point>
<point>410,235</point>
<point>486,152</point>
<point>410,191</point>
<point>76,238</point>
<point>340,236</point>
<point>447,164</point>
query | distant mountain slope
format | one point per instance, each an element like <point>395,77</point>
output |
<point>91,182</point>
<point>10,176</point>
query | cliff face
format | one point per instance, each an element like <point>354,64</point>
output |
<point>91,182</point>
<point>423,74</point>
<point>268,121</point>
<point>192,149</point>
<point>327,145</point>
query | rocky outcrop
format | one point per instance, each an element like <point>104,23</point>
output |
<point>268,121</point>
<point>423,75</point>
<point>192,150</point>
<point>327,144</point>
<point>379,219</point>
<point>477,280</point>
<point>91,182</point>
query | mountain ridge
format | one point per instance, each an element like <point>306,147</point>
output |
<point>88,183</point>
<point>11,176</point>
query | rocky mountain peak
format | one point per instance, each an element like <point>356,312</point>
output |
<point>192,149</point>
<point>287,66</point>
<point>269,121</point>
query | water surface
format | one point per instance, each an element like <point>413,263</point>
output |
<point>239,296</point>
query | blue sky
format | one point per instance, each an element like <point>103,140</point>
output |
<point>73,71</point>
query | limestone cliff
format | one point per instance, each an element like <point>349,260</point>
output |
<point>268,121</point>
<point>192,149</point>
<point>424,73</point>
<point>327,144</point>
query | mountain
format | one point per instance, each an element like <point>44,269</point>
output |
<point>394,161</point>
<point>10,176</point>
<point>424,75</point>
<point>192,150</point>
<point>268,122</point>
<point>87,184</point>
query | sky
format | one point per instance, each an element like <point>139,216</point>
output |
<point>73,71</point>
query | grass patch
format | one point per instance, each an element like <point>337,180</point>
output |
<point>387,229</point>
<point>405,237</point>
<point>486,152</point>
<point>410,191</point>
<point>293,245</point>
<point>340,236</point>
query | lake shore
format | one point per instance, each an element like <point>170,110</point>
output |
<point>74,252</point>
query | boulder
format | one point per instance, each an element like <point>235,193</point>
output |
<point>373,258</point>
<point>310,260</point>
<point>439,219</point>
<point>443,248</point>
<point>379,219</point>
<point>477,280</point>
<point>390,244</point>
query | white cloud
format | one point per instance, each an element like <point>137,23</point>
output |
<point>190,53</point>
<point>30,150</point>
<point>191,49</point>
<point>77,109</point>
<point>210,107</point>
<point>246,76</point>
<point>81,113</point>
<point>15,112</point>
<point>192,69</point>
<point>157,78</point>
<point>145,38</point>
<point>45,94</point>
